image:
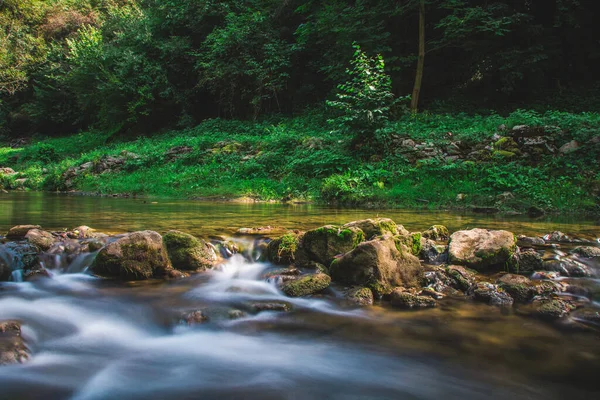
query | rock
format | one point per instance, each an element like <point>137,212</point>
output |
<point>507,144</point>
<point>12,347</point>
<point>552,309</point>
<point>18,232</point>
<point>324,244</point>
<point>378,264</point>
<point>412,241</point>
<point>431,292</point>
<point>460,278</point>
<point>283,249</point>
<point>17,256</point>
<point>136,256</point>
<point>377,227</point>
<point>526,261</point>
<point>402,299</point>
<point>433,253</point>
<point>587,251</point>
<point>360,296</point>
<point>236,314</point>
<point>41,239</point>
<point>482,249</point>
<point>557,236</point>
<point>306,285</point>
<point>177,151</point>
<point>271,306</point>
<point>193,318</point>
<point>437,232</point>
<point>519,131</point>
<point>85,232</point>
<point>569,147</point>
<point>7,171</point>
<point>189,253</point>
<point>567,267</point>
<point>520,288</point>
<point>525,241</point>
<point>588,316</point>
<point>492,295</point>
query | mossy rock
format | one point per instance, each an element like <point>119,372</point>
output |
<point>324,244</point>
<point>283,249</point>
<point>492,295</point>
<point>412,241</point>
<point>402,299</point>
<point>380,264</point>
<point>360,296</point>
<point>508,145</point>
<point>503,154</point>
<point>587,252</point>
<point>482,249</point>
<point>526,261</point>
<point>552,309</point>
<point>306,285</point>
<point>437,232</point>
<point>189,253</point>
<point>460,278</point>
<point>377,227</point>
<point>41,239</point>
<point>520,288</point>
<point>136,256</point>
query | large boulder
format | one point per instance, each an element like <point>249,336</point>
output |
<point>377,227</point>
<point>136,256</point>
<point>306,285</point>
<point>189,253</point>
<point>323,244</point>
<point>482,249</point>
<point>379,264</point>
<point>18,232</point>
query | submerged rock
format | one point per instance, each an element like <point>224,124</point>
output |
<point>196,317</point>
<point>401,299</point>
<point>189,253</point>
<point>278,306</point>
<point>378,264</point>
<point>12,347</point>
<point>324,244</point>
<point>377,227</point>
<point>136,256</point>
<point>551,309</point>
<point>18,232</point>
<point>306,285</point>
<point>482,249</point>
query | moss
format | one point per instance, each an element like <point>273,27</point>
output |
<point>176,239</point>
<point>411,241</point>
<point>288,245</point>
<point>504,154</point>
<point>306,285</point>
<point>187,252</point>
<point>379,289</point>
<point>387,227</point>
<point>437,232</point>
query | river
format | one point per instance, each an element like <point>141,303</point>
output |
<point>96,339</point>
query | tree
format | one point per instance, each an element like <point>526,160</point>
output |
<point>414,101</point>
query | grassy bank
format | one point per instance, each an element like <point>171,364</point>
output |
<point>301,158</point>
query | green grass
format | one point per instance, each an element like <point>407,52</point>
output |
<point>302,158</point>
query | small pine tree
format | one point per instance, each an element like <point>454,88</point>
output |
<point>365,99</point>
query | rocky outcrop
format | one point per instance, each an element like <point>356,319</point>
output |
<point>482,249</point>
<point>378,264</point>
<point>189,253</point>
<point>136,256</point>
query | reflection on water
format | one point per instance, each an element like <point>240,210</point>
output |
<point>54,211</point>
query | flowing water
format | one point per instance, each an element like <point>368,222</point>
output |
<point>96,339</point>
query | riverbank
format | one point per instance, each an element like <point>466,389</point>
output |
<point>518,163</point>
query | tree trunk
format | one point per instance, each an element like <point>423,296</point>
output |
<point>414,102</point>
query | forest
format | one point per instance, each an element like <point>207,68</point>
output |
<point>359,102</point>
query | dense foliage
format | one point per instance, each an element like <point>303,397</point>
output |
<point>140,65</point>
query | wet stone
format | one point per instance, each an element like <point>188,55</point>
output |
<point>489,293</point>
